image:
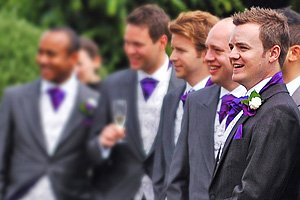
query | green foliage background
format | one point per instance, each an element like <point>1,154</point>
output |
<point>22,22</point>
<point>18,43</point>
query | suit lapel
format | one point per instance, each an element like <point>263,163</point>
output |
<point>133,126</point>
<point>32,114</point>
<point>173,104</point>
<point>296,97</point>
<point>75,119</point>
<point>242,119</point>
<point>207,135</point>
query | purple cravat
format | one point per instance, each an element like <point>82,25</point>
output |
<point>148,86</point>
<point>56,96</point>
<point>234,109</point>
<point>236,106</point>
<point>225,106</point>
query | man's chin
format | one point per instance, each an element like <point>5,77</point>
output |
<point>135,67</point>
<point>47,76</point>
<point>237,78</point>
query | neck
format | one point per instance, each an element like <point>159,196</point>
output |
<point>193,80</point>
<point>291,72</point>
<point>92,79</point>
<point>61,80</point>
<point>230,85</point>
<point>156,65</point>
<point>273,69</point>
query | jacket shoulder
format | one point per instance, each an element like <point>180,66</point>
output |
<point>121,76</point>
<point>21,89</point>
<point>206,92</point>
<point>88,92</point>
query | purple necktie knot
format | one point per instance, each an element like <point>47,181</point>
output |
<point>185,95</point>
<point>225,106</point>
<point>209,82</point>
<point>56,96</point>
<point>235,107</point>
<point>148,86</point>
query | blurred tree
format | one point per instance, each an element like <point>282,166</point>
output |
<point>18,42</point>
<point>103,20</point>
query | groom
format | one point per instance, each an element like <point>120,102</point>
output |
<point>260,158</point>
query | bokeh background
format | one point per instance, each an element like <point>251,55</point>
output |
<point>22,22</point>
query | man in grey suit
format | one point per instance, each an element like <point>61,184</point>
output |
<point>291,66</point>
<point>202,131</point>
<point>260,159</point>
<point>127,170</point>
<point>43,135</point>
<point>189,32</point>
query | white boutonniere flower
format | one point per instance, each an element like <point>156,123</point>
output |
<point>255,103</point>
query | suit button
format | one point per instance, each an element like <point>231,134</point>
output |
<point>212,197</point>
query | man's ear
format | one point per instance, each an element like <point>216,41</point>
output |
<point>74,58</point>
<point>163,41</point>
<point>274,53</point>
<point>293,53</point>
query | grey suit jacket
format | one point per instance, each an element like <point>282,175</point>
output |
<point>265,162</point>
<point>23,154</point>
<point>296,97</point>
<point>120,175</point>
<point>193,160</point>
<point>165,141</point>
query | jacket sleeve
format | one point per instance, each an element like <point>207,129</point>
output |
<point>6,130</point>
<point>102,117</point>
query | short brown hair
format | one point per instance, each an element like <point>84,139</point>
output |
<point>89,46</point>
<point>293,19</point>
<point>194,25</point>
<point>273,28</point>
<point>151,16</point>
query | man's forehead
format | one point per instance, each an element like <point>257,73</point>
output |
<point>245,32</point>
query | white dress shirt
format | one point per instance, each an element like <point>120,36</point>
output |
<point>180,109</point>
<point>53,123</point>
<point>293,85</point>
<point>149,116</point>
<point>220,135</point>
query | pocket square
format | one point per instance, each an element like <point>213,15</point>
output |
<point>239,133</point>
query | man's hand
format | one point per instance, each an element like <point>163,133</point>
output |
<point>110,135</point>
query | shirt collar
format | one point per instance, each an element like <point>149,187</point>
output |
<point>237,92</point>
<point>259,86</point>
<point>293,85</point>
<point>201,84</point>
<point>159,74</point>
<point>68,86</point>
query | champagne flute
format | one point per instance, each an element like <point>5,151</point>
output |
<point>119,110</point>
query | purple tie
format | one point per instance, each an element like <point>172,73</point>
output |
<point>209,82</point>
<point>57,96</point>
<point>148,86</point>
<point>225,106</point>
<point>185,95</point>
